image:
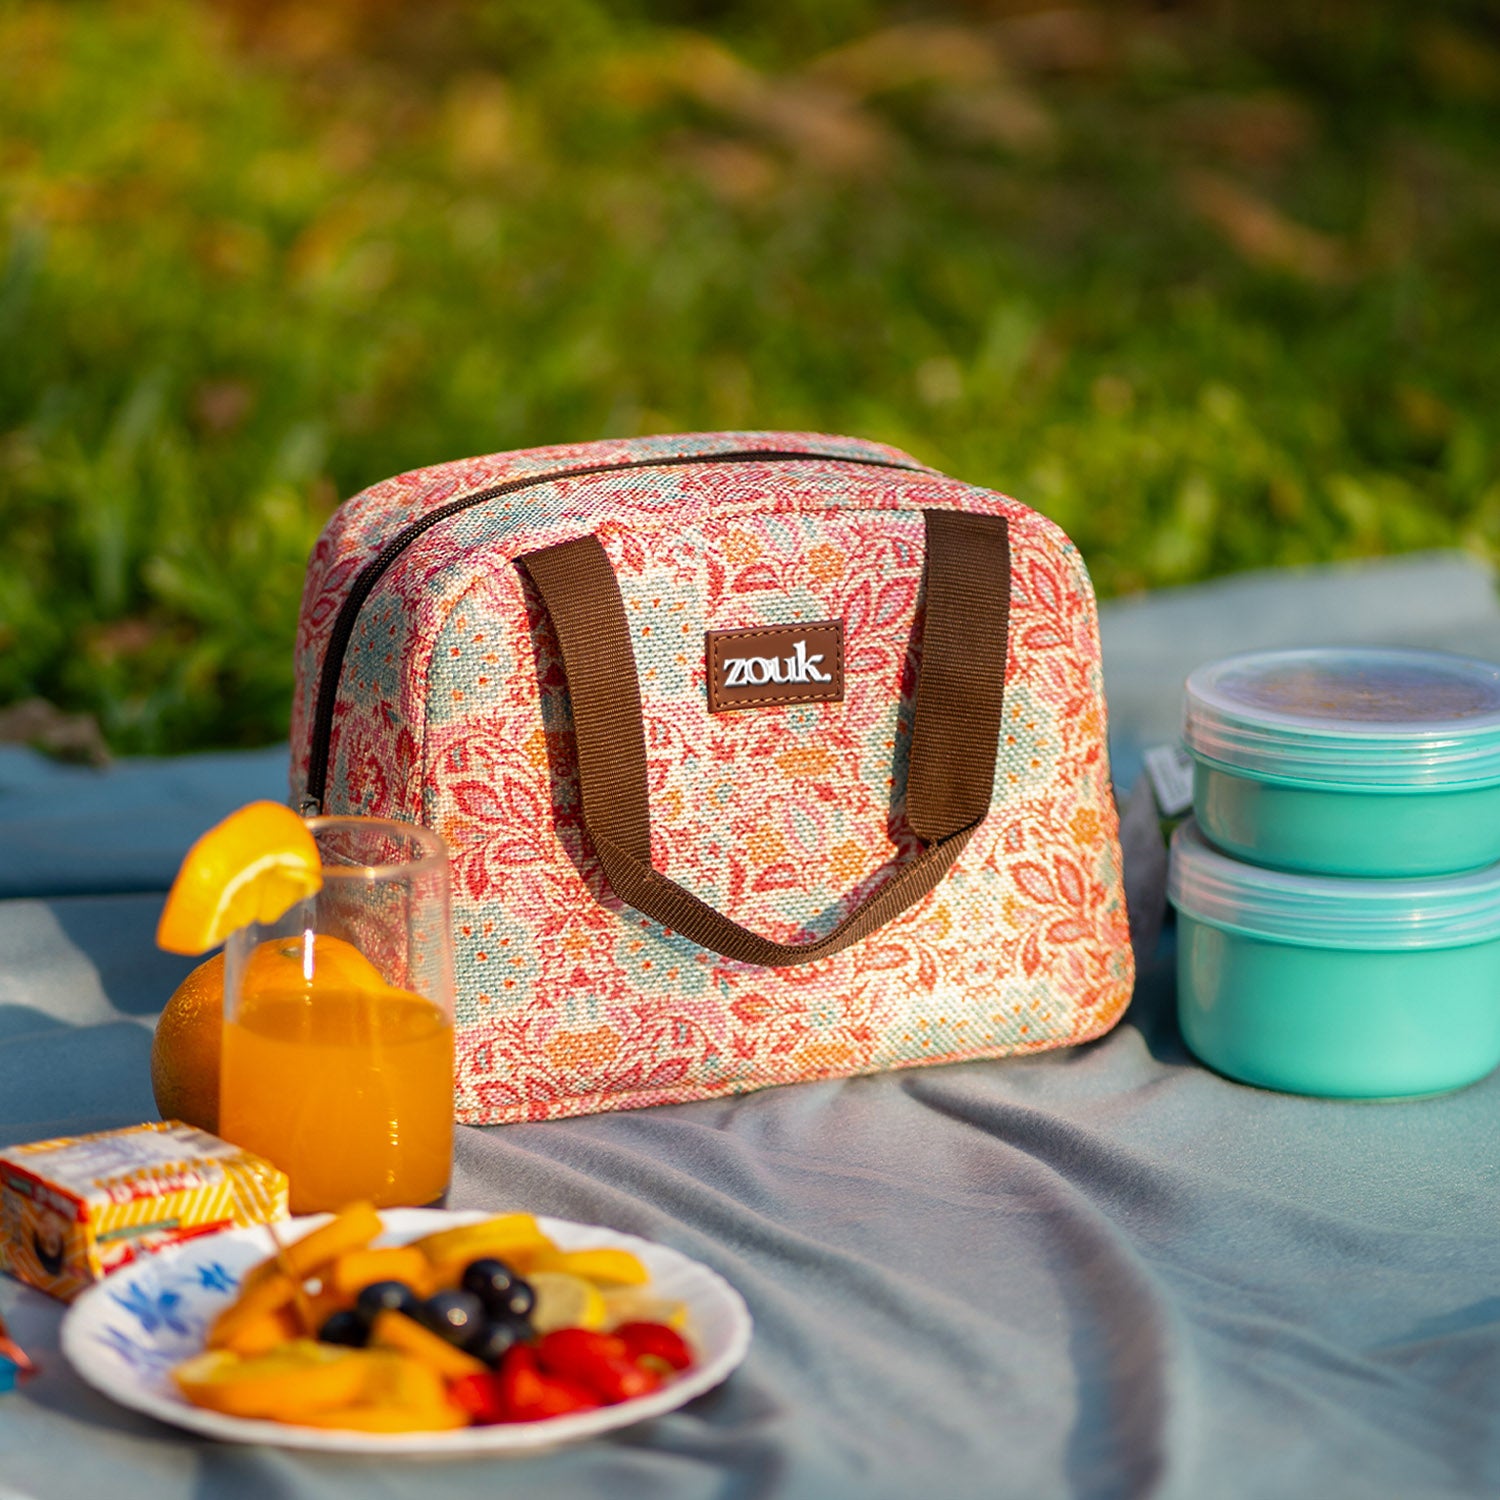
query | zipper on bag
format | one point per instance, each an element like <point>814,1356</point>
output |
<point>368,576</point>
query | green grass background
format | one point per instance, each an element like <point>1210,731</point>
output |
<point>1216,286</point>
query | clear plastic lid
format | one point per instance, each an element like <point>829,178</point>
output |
<point>1349,716</point>
<point>1330,911</point>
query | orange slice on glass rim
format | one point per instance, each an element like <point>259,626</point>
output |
<point>253,867</point>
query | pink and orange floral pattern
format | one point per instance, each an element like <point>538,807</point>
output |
<point>452,711</point>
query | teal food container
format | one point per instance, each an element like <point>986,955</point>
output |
<point>1348,761</point>
<point>1349,988</point>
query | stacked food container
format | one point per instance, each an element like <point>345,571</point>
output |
<point>1338,892</point>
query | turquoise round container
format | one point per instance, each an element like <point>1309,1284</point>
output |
<point>1348,761</point>
<point>1347,988</point>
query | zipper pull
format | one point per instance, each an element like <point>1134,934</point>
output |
<point>310,807</point>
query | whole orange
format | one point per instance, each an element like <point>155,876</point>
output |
<point>185,1050</point>
<point>279,965</point>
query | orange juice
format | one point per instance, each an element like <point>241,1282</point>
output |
<point>347,1088</point>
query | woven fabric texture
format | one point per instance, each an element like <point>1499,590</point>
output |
<point>451,711</point>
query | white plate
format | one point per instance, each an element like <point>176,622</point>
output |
<point>125,1335</point>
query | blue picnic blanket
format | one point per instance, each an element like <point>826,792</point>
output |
<point>1099,1273</point>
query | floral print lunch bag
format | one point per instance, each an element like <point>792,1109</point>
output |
<point>762,757</point>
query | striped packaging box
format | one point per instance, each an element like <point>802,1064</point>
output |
<point>76,1208</point>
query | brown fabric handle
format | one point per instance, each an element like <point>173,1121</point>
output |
<point>955,731</point>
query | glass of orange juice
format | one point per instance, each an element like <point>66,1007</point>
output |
<point>337,1059</point>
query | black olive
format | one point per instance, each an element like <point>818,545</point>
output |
<point>347,1326</point>
<point>488,1279</point>
<point>389,1296</point>
<point>498,1288</point>
<point>455,1316</point>
<point>497,1336</point>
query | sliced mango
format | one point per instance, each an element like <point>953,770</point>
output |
<point>267,1296</point>
<point>401,1394</point>
<point>404,1380</point>
<point>394,1330</point>
<point>356,1269</point>
<point>261,1334</point>
<point>386,1417</point>
<point>608,1266</point>
<point>300,1377</point>
<point>503,1236</point>
<point>352,1228</point>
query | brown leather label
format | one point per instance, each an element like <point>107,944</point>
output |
<point>775,664</point>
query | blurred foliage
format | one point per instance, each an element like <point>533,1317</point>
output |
<point>1214,285</point>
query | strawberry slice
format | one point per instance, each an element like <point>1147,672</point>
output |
<point>655,1341</point>
<point>478,1396</point>
<point>529,1394</point>
<point>599,1362</point>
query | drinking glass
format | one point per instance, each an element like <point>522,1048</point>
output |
<point>338,1024</point>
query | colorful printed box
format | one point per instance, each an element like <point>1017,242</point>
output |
<point>74,1209</point>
